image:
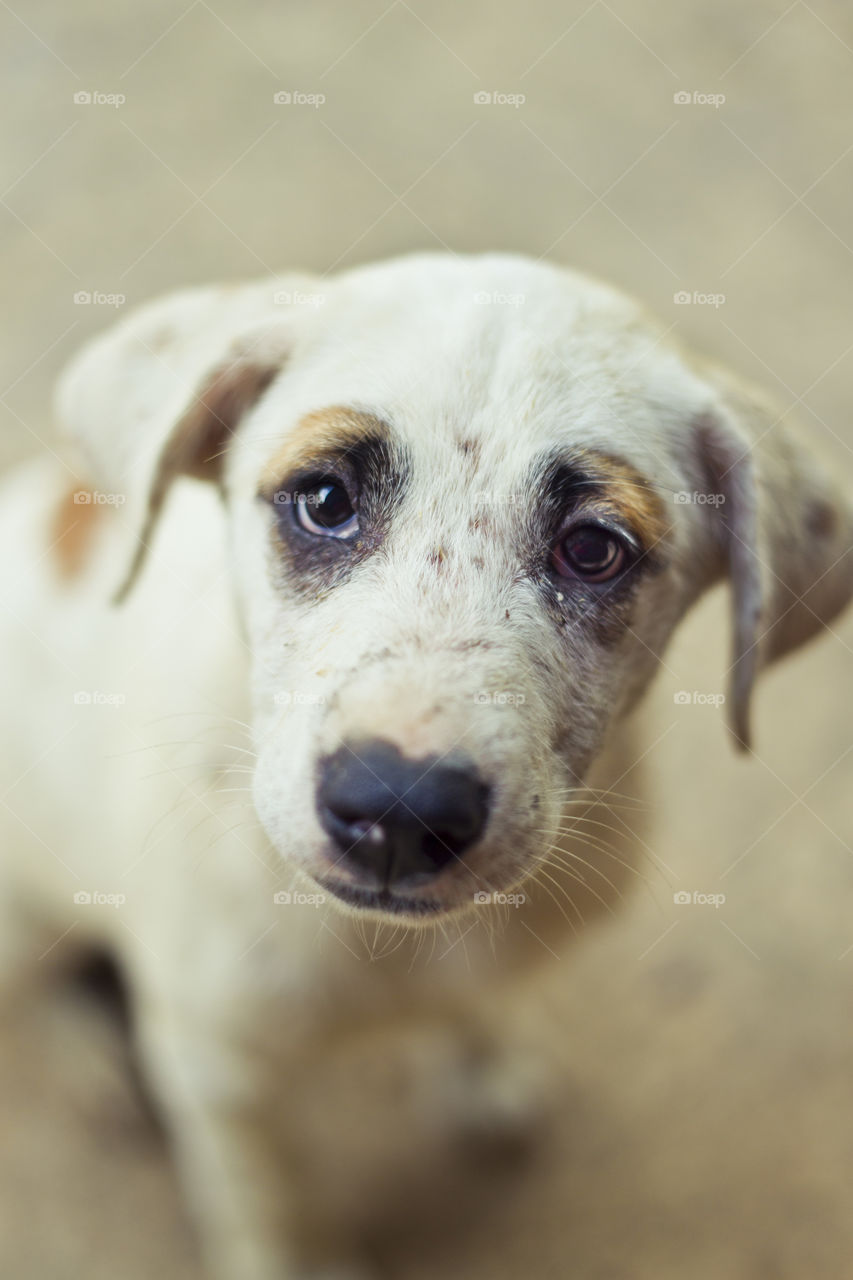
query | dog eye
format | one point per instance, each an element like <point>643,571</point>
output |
<point>326,509</point>
<point>590,552</point>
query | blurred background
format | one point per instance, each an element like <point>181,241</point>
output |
<point>698,155</point>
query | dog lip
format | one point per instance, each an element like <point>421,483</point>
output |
<point>383,900</point>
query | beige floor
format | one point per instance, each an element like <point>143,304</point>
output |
<point>703,1057</point>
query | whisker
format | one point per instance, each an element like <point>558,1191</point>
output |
<point>594,842</point>
<point>556,859</point>
<point>580,880</point>
<point>535,879</point>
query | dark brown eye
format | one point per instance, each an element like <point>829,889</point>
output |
<point>326,510</point>
<point>590,552</point>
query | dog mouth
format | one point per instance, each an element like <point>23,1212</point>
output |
<point>385,901</point>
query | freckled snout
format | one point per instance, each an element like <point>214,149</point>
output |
<point>398,822</point>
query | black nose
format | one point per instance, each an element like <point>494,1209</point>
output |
<point>397,819</point>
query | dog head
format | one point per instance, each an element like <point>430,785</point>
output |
<point>469,501</point>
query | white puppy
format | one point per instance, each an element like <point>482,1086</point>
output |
<point>442,544</point>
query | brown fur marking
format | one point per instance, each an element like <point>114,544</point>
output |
<point>632,496</point>
<point>319,435</point>
<point>72,531</point>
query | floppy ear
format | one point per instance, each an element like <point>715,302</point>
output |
<point>783,532</point>
<point>161,394</point>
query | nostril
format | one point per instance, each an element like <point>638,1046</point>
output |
<point>393,817</point>
<point>358,830</point>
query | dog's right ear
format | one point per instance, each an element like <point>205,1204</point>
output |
<point>162,393</point>
<point>783,533</point>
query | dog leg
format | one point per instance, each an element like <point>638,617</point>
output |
<point>220,1108</point>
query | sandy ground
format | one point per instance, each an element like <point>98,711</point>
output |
<point>701,1057</point>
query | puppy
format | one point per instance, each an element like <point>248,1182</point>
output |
<point>391,561</point>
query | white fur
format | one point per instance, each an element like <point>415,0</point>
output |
<point>234,990</point>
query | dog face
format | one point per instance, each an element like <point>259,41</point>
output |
<point>470,499</point>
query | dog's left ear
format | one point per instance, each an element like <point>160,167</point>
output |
<point>161,394</point>
<point>782,529</point>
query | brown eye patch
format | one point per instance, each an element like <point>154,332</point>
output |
<point>591,488</point>
<point>338,463</point>
<point>322,434</point>
<point>606,488</point>
<point>599,526</point>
